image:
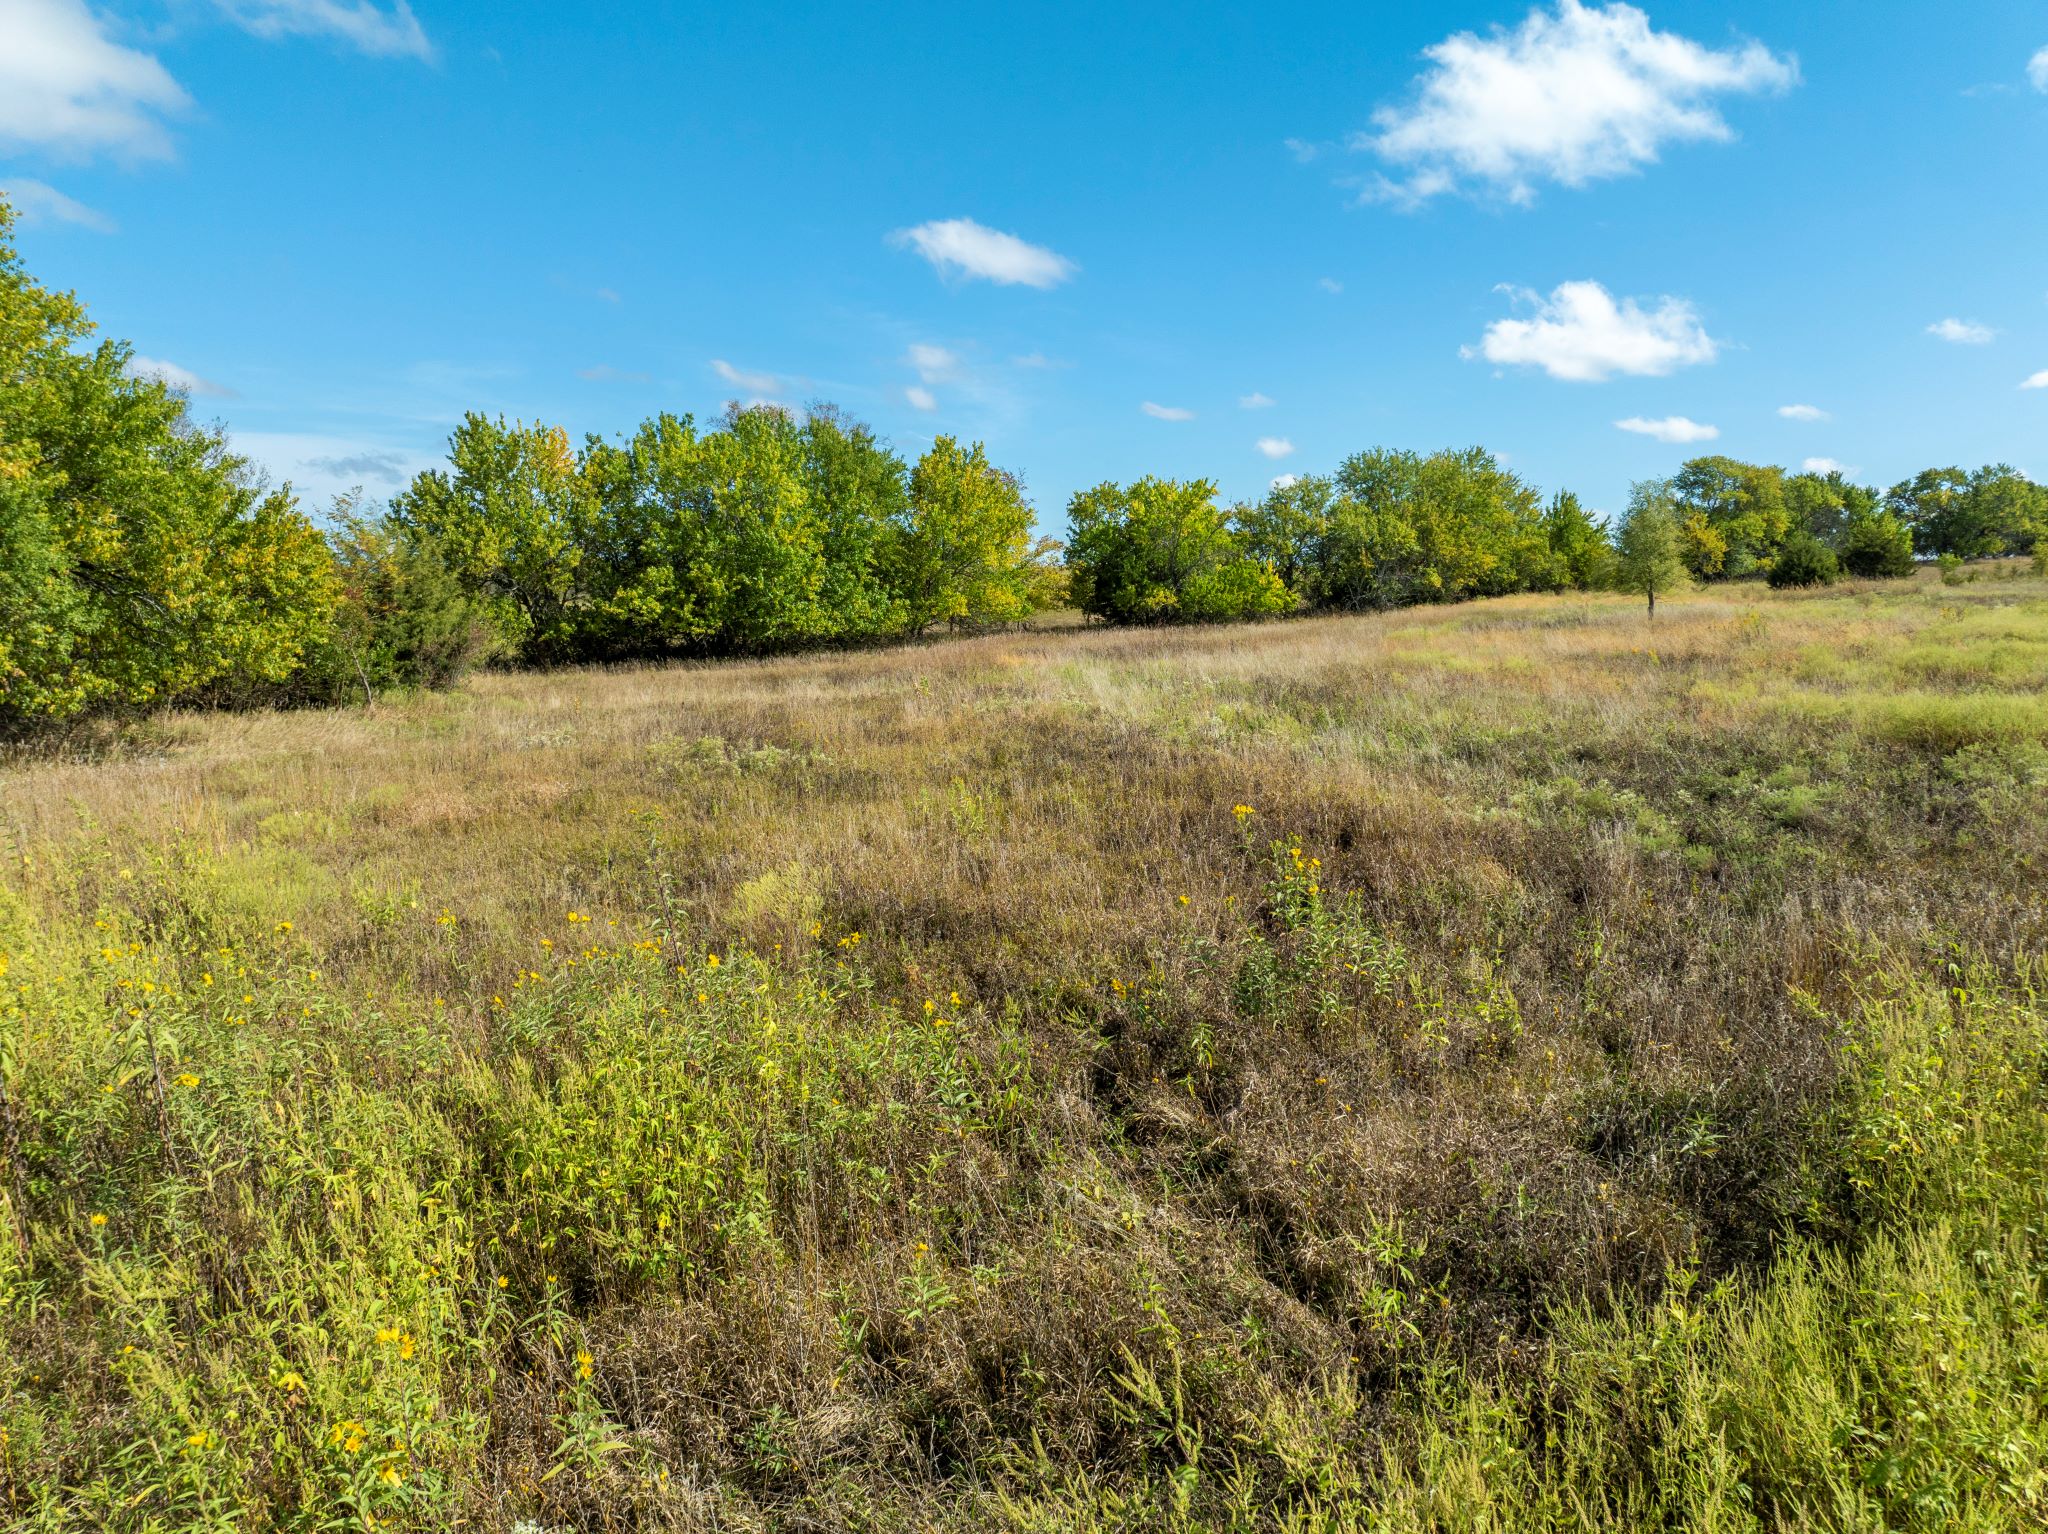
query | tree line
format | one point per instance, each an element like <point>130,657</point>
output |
<point>143,563</point>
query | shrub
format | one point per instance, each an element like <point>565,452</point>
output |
<point>1804,561</point>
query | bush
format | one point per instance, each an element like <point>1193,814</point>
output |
<point>1244,588</point>
<point>1804,561</point>
<point>403,619</point>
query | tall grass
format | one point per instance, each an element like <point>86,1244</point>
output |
<point>1503,1068</point>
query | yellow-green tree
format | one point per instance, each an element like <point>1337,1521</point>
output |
<point>141,562</point>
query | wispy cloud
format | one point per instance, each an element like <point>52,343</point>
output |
<point>959,247</point>
<point>371,29</point>
<point>1672,428</point>
<point>739,378</point>
<point>1329,284</point>
<point>1802,413</point>
<point>1581,334</point>
<point>1275,447</point>
<point>1255,401</point>
<point>1035,360</point>
<point>384,468</point>
<point>38,202</point>
<point>604,372</point>
<point>1572,95</point>
<point>1166,412</point>
<point>1962,332</point>
<point>1826,466</point>
<point>934,364</point>
<point>68,88</point>
<point>182,379</point>
<point>921,398</point>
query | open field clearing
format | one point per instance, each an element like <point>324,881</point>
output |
<point>1489,1067</point>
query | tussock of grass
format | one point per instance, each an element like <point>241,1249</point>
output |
<point>1504,1068</point>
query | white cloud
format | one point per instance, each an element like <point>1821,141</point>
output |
<point>1580,333</point>
<point>1166,412</point>
<point>921,398</point>
<point>1275,447</point>
<point>1826,466</point>
<point>934,364</point>
<point>1035,360</point>
<point>69,88</point>
<point>183,379</point>
<point>1255,401</point>
<point>39,203</point>
<point>1329,284</point>
<point>1282,481</point>
<point>1802,413</point>
<point>2038,381</point>
<point>1962,332</point>
<point>961,247</point>
<point>604,372</point>
<point>1673,428</point>
<point>739,378</point>
<point>1302,150</point>
<point>2037,70</point>
<point>1585,93</point>
<point>395,33</point>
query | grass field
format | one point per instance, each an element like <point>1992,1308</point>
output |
<point>1482,1068</point>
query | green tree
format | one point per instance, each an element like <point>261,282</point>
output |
<point>507,519</point>
<point>1646,544</point>
<point>1744,506</point>
<point>141,562</point>
<point>1284,528</point>
<point>1582,556</point>
<point>1876,546</point>
<point>963,546</point>
<point>1134,549</point>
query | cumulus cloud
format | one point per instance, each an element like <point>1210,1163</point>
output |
<point>1255,401</point>
<point>1581,334</point>
<point>1282,481</point>
<point>68,88</point>
<point>921,398</point>
<point>1573,95</point>
<point>1166,412</point>
<point>739,378</point>
<point>1672,428</point>
<point>1802,413</point>
<point>39,203</point>
<point>934,364</point>
<point>393,33</point>
<point>182,379</point>
<point>2037,70</point>
<point>1275,447</point>
<point>1826,466</point>
<point>2038,381</point>
<point>1962,332</point>
<point>959,247</point>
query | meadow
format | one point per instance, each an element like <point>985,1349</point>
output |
<point>1502,1066</point>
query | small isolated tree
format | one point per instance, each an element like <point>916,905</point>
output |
<point>1646,545</point>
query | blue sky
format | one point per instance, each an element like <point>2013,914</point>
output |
<point>1418,225</point>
